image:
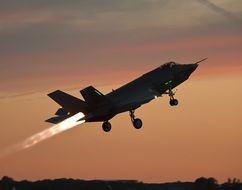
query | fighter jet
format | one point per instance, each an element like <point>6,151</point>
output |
<point>98,107</point>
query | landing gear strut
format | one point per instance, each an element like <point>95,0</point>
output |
<point>137,123</point>
<point>173,101</point>
<point>106,126</point>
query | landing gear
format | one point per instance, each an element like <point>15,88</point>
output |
<point>106,126</point>
<point>173,101</point>
<point>137,123</point>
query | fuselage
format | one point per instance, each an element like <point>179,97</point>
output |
<point>142,90</point>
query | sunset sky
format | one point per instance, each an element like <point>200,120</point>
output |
<point>68,45</point>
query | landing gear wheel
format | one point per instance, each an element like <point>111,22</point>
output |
<point>137,123</point>
<point>106,126</point>
<point>173,102</point>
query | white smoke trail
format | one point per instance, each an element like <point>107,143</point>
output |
<point>45,134</point>
<point>222,11</point>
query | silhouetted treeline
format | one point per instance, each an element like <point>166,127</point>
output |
<point>201,183</point>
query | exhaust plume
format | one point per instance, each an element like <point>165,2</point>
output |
<point>45,134</point>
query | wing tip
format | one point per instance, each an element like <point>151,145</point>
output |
<point>53,93</point>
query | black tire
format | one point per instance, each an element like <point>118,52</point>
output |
<point>106,126</point>
<point>171,102</point>
<point>175,102</point>
<point>137,123</point>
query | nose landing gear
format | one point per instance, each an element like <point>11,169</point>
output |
<point>137,123</point>
<point>173,101</point>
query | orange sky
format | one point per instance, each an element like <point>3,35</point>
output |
<point>72,45</point>
<point>200,137</point>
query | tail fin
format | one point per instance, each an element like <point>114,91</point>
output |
<point>93,97</point>
<point>70,103</point>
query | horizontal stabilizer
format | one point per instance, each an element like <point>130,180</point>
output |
<point>61,112</point>
<point>57,119</point>
<point>93,97</point>
<point>68,102</point>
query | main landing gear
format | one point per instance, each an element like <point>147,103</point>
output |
<point>173,101</point>
<point>137,123</point>
<point>106,126</point>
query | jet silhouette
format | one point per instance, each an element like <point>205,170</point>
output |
<point>100,107</point>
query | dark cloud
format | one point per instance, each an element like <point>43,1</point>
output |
<point>90,5</point>
<point>35,25</point>
<point>30,31</point>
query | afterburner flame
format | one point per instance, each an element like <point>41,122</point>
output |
<point>54,130</point>
<point>46,134</point>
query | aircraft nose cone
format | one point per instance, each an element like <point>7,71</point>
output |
<point>192,67</point>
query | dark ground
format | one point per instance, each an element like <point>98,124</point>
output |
<point>201,183</point>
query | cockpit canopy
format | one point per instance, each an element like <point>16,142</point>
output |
<point>168,65</point>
